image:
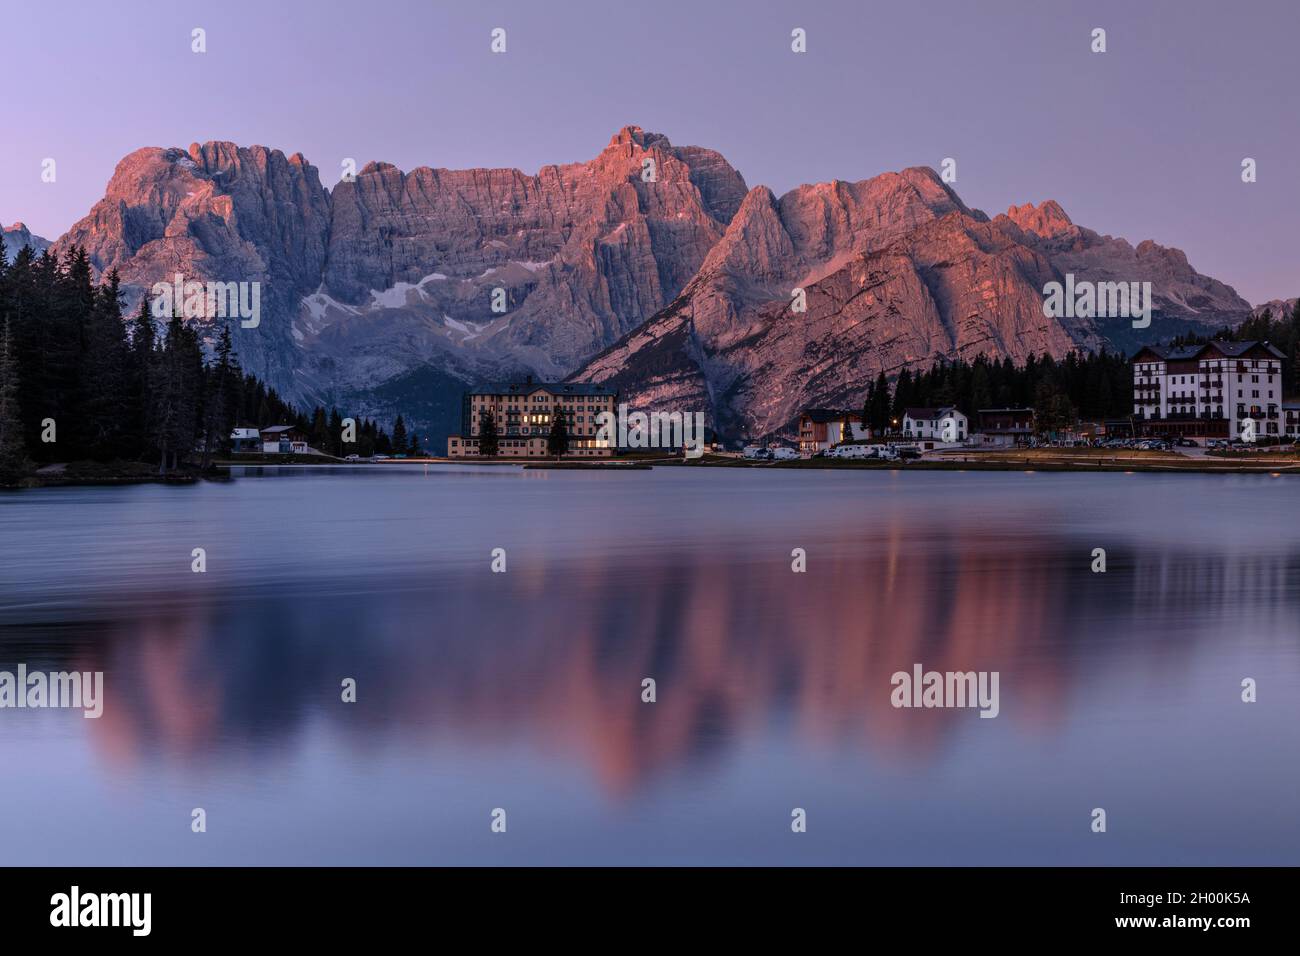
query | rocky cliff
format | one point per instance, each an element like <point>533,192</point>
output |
<point>651,266</point>
<point>897,272</point>
<point>220,213</point>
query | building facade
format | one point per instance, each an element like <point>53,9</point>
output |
<point>244,440</point>
<point>821,429</point>
<point>944,424</point>
<point>283,440</point>
<point>1208,390</point>
<point>1004,427</point>
<point>1291,419</point>
<point>523,413</point>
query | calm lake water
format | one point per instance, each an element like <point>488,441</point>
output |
<point>522,690</point>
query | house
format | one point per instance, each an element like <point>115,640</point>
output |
<point>1208,390</point>
<point>245,440</point>
<point>523,412</point>
<point>1291,419</point>
<point>1003,427</point>
<point>821,429</point>
<point>944,424</point>
<point>283,440</point>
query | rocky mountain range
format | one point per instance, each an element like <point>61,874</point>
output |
<point>17,236</point>
<point>1276,308</point>
<point>897,272</point>
<point>652,266</point>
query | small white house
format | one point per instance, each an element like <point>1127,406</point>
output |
<point>945,425</point>
<point>246,440</point>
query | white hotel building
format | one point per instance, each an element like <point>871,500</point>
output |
<point>1208,390</point>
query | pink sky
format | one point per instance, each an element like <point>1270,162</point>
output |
<point>1144,141</point>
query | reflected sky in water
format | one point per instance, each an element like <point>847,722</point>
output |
<point>522,690</point>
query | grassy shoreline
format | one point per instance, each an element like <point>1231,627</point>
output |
<point>1087,461</point>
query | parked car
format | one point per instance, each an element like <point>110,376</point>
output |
<point>784,454</point>
<point>907,454</point>
<point>352,458</point>
<point>1187,443</point>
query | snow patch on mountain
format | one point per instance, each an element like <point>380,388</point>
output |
<point>468,331</point>
<point>398,296</point>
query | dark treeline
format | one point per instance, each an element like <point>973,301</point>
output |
<point>78,382</point>
<point>1088,386</point>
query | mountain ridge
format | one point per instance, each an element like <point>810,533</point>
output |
<point>392,272</point>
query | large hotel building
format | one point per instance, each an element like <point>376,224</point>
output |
<point>1209,390</point>
<point>523,412</point>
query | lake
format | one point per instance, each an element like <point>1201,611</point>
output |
<point>522,691</point>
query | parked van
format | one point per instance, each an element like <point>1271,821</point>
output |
<point>853,451</point>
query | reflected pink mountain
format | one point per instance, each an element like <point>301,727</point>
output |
<point>733,645</point>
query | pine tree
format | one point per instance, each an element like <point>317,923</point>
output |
<point>219,406</point>
<point>557,442</point>
<point>139,364</point>
<point>880,404</point>
<point>336,436</point>
<point>319,433</point>
<point>176,397</point>
<point>904,397</point>
<point>104,400</point>
<point>980,389</point>
<point>488,441</point>
<point>399,436</point>
<point>13,452</point>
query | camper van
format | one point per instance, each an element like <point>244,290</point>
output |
<point>853,451</point>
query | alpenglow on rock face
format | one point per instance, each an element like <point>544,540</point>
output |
<point>651,266</point>
<point>897,272</point>
<point>580,255</point>
<point>220,213</point>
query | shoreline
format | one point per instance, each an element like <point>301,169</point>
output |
<point>220,470</point>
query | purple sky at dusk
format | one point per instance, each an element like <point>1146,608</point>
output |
<point>1144,141</point>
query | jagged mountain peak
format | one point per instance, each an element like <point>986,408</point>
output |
<point>636,136</point>
<point>1047,219</point>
